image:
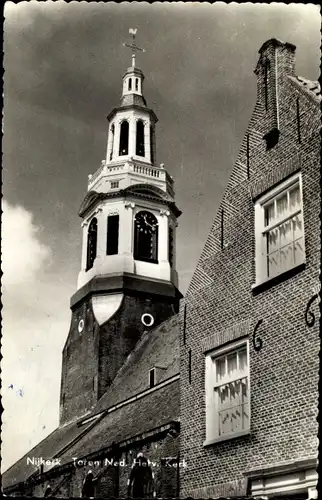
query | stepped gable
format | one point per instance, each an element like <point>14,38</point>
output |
<point>311,88</point>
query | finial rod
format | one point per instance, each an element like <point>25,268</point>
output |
<point>133,45</point>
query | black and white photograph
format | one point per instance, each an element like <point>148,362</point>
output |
<point>161,250</point>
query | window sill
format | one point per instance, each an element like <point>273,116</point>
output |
<point>269,282</point>
<point>228,437</point>
<point>149,261</point>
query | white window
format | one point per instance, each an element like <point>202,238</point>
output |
<point>114,184</point>
<point>279,232</point>
<point>227,392</point>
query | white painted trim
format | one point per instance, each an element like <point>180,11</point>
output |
<point>212,435</point>
<point>260,229</point>
<point>295,481</point>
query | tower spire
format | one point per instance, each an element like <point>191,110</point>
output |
<point>133,45</point>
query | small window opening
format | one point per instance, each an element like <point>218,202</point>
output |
<point>114,184</point>
<point>130,83</point>
<point>271,138</point>
<point>152,378</point>
<point>136,84</point>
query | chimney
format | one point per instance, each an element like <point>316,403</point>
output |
<point>276,61</point>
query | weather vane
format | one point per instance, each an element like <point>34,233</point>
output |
<point>133,46</point>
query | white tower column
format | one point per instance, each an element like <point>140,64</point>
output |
<point>163,236</point>
<point>101,234</point>
<point>117,140</point>
<point>132,136</point>
<point>84,245</point>
<point>163,244</point>
<point>126,236</point>
<point>147,148</point>
<point>110,142</point>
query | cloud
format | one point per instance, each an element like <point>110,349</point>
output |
<point>35,319</point>
<point>23,255</point>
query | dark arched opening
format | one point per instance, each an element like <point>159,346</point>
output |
<point>91,244</point>
<point>140,138</point>
<point>140,483</point>
<point>88,489</point>
<point>124,138</point>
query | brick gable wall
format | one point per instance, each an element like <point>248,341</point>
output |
<point>221,306</point>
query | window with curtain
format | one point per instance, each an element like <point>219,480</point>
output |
<point>227,391</point>
<point>91,244</point>
<point>279,230</point>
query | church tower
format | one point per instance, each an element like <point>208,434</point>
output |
<point>128,282</point>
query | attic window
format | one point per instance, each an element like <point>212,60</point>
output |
<point>271,138</point>
<point>152,378</point>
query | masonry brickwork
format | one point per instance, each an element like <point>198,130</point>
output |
<point>221,306</point>
<point>88,365</point>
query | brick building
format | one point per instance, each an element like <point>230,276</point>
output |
<point>250,334</point>
<point>119,406</point>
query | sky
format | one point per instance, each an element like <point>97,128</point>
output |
<point>63,75</point>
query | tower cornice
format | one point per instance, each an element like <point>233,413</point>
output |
<point>151,193</point>
<point>125,283</point>
<point>137,107</point>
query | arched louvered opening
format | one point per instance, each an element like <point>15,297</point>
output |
<point>91,244</point>
<point>152,144</point>
<point>124,138</point>
<point>146,237</point>
<point>140,138</point>
<point>112,132</point>
<point>130,84</point>
<point>171,246</point>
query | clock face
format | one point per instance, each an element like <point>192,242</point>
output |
<point>146,222</point>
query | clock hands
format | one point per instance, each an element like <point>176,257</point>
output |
<point>146,222</point>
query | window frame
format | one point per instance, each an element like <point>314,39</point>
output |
<point>261,273</point>
<point>114,182</point>
<point>212,410</point>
